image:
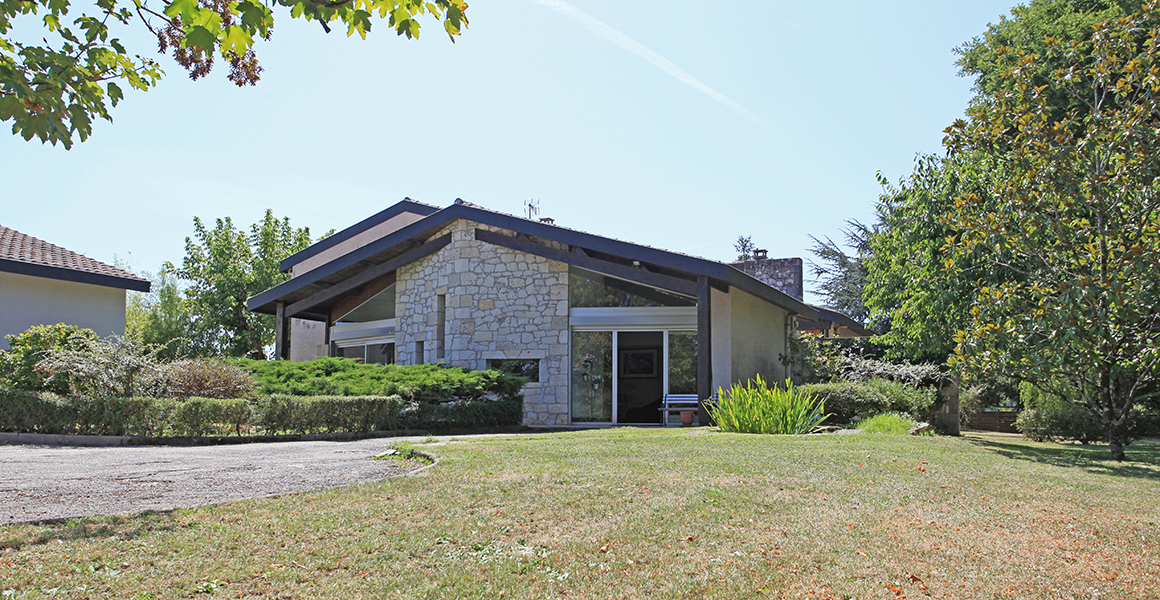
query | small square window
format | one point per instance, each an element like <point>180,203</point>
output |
<point>529,368</point>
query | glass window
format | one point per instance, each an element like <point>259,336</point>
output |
<point>587,289</point>
<point>682,362</point>
<point>381,354</point>
<point>356,352</point>
<point>529,368</point>
<point>591,376</point>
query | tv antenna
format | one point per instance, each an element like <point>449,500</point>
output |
<point>532,208</point>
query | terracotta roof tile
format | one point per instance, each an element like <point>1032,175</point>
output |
<point>20,247</point>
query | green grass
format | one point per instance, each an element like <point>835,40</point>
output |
<point>888,423</point>
<point>639,513</point>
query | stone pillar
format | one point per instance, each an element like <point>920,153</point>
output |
<point>946,420</point>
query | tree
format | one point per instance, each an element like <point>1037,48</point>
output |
<point>1076,217</point>
<point>161,318</point>
<point>744,247</point>
<point>53,88</point>
<point>224,266</point>
<point>914,295</point>
<point>842,276</point>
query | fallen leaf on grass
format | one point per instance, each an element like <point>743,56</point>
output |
<point>605,548</point>
<point>688,539</point>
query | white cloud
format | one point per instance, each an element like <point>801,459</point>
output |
<point>635,47</point>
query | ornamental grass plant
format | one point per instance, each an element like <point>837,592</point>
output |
<point>758,408</point>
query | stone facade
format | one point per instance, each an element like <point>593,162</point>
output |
<point>783,274</point>
<point>497,303</point>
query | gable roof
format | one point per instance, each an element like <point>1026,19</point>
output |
<point>396,243</point>
<point>27,255</point>
<point>407,205</point>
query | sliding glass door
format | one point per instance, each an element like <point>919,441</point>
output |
<point>621,376</point>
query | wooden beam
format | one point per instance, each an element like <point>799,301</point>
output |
<point>368,275</point>
<point>665,282</point>
<point>281,348</point>
<point>368,291</point>
<point>704,346</point>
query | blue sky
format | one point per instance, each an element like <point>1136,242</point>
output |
<point>663,123</point>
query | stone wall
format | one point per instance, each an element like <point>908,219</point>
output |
<point>784,274</point>
<point>500,303</point>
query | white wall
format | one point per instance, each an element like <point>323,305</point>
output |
<point>758,338</point>
<point>721,330</point>
<point>26,301</point>
<point>307,340</point>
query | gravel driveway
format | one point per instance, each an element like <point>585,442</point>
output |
<point>52,482</point>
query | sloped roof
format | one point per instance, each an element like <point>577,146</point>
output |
<point>27,255</point>
<point>395,243</point>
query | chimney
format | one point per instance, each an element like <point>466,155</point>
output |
<point>760,254</point>
<point>548,220</point>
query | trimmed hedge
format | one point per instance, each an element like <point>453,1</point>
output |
<point>413,383</point>
<point>43,412</point>
<point>847,399</point>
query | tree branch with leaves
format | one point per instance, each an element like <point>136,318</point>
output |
<point>54,88</point>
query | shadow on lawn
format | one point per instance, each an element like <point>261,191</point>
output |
<point>117,526</point>
<point>1143,455</point>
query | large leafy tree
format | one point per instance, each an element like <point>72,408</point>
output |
<point>913,292</point>
<point>58,76</point>
<point>1076,216</point>
<point>223,266</point>
<point>916,295</point>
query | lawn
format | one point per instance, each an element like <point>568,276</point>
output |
<point>632,513</point>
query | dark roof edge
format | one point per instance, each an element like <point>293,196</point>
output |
<point>62,274</point>
<point>842,319</point>
<point>404,205</point>
<point>691,264</point>
<point>394,238</point>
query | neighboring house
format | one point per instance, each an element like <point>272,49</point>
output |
<point>44,284</point>
<point>785,274</point>
<point>603,328</point>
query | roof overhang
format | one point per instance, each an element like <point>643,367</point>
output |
<point>394,245</point>
<point>62,274</point>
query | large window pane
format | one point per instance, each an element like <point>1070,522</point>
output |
<point>682,362</point>
<point>592,290</point>
<point>591,376</point>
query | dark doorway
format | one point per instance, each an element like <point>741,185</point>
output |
<point>640,376</point>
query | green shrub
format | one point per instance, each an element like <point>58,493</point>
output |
<point>138,416</point>
<point>45,412</point>
<point>281,413</point>
<point>890,422</point>
<point>904,399</point>
<point>18,363</point>
<point>119,367</point>
<point>24,411</point>
<point>209,378</point>
<point>846,400</point>
<point>757,408</point>
<point>1046,417</point>
<point>212,416</point>
<point>345,377</point>
<point>464,414</point>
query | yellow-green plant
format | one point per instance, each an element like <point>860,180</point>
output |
<point>757,408</point>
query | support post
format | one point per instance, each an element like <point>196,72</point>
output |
<point>704,347</point>
<point>281,323</point>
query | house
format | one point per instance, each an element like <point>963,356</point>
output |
<point>603,328</point>
<point>44,284</point>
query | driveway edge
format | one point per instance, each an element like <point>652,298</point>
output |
<point>50,439</point>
